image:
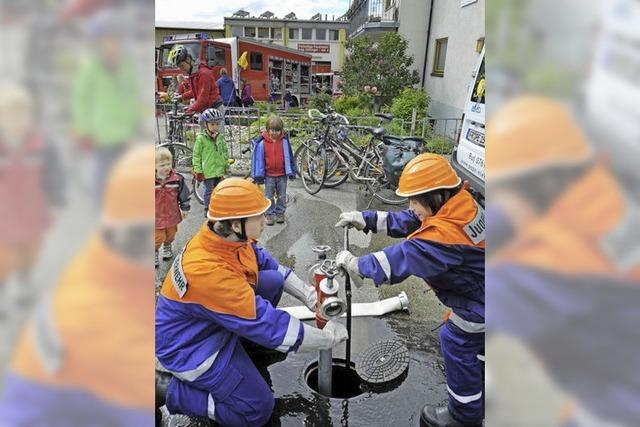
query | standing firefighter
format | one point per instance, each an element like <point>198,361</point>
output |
<point>222,290</point>
<point>444,228</point>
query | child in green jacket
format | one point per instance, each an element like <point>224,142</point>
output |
<point>210,156</point>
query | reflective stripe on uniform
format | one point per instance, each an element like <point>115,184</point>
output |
<point>384,263</point>
<point>464,399</point>
<point>211,408</point>
<point>291,336</point>
<point>481,357</point>
<point>193,374</point>
<point>465,325</point>
<point>282,269</point>
<point>381,224</point>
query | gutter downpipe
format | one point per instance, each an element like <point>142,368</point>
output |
<point>426,49</point>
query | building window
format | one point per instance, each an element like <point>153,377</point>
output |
<point>293,33</point>
<point>236,31</point>
<point>263,33</point>
<point>215,56</point>
<point>480,44</point>
<point>333,35</point>
<point>255,61</point>
<point>321,34</point>
<point>439,57</point>
<point>249,31</point>
<point>276,33</point>
<point>306,34</point>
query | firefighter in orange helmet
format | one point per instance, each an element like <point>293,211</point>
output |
<point>223,289</point>
<point>444,229</point>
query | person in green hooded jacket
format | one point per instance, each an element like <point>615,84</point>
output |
<point>210,155</point>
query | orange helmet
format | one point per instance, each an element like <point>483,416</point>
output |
<point>236,198</point>
<point>128,197</point>
<point>426,172</point>
<point>530,133</point>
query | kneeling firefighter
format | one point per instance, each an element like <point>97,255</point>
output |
<point>223,289</point>
<point>444,246</point>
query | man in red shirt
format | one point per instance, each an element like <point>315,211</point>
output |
<point>203,84</point>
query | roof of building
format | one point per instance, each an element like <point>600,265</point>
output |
<point>191,25</point>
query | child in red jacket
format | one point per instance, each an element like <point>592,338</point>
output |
<point>172,202</point>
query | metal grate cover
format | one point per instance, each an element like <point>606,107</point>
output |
<point>383,362</point>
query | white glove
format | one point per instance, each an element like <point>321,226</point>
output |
<point>349,262</point>
<point>354,218</point>
<point>316,339</point>
<point>176,97</point>
<point>294,286</point>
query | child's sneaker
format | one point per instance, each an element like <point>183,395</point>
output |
<point>167,252</point>
<point>280,218</point>
<point>270,220</point>
<point>157,261</point>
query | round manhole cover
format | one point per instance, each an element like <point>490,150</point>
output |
<point>383,362</point>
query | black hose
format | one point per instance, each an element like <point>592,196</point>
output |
<point>347,288</point>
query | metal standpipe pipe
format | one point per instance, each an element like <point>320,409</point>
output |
<point>347,289</point>
<point>329,307</point>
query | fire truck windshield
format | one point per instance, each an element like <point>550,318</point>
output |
<point>163,60</point>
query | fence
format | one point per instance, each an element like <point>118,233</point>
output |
<point>243,124</point>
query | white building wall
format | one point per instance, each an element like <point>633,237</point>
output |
<point>413,18</point>
<point>463,26</point>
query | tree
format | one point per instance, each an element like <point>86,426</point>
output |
<point>383,64</point>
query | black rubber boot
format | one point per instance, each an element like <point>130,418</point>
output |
<point>439,417</point>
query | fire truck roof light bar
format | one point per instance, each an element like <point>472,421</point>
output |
<point>190,36</point>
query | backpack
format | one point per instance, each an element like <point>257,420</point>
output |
<point>396,153</point>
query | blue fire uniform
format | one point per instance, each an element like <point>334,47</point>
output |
<point>446,251</point>
<point>216,293</point>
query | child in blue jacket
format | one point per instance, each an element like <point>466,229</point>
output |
<point>272,162</point>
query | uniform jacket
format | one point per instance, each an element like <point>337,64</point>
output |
<point>445,250</point>
<point>208,302</point>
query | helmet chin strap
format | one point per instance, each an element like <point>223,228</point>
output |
<point>211,134</point>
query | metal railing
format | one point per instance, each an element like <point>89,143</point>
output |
<point>371,11</point>
<point>243,124</point>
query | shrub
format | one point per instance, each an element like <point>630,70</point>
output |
<point>439,145</point>
<point>345,103</point>
<point>320,101</point>
<point>410,98</point>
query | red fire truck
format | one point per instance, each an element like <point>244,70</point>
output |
<point>272,70</point>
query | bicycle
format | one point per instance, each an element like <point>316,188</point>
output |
<point>343,158</point>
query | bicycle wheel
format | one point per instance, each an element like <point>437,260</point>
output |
<point>378,184</point>
<point>313,169</point>
<point>197,190</point>
<point>337,168</point>
<point>298,159</point>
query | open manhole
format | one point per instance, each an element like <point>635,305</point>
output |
<point>383,363</point>
<point>345,382</point>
